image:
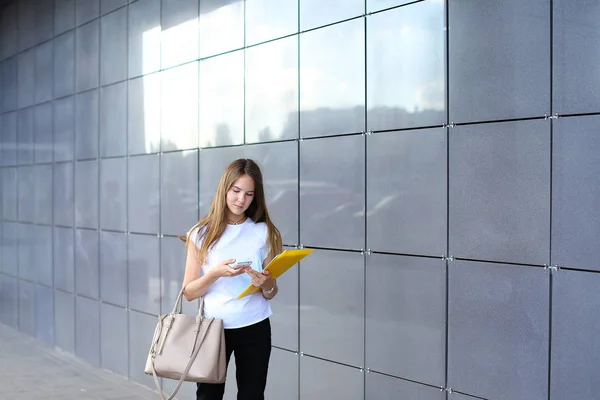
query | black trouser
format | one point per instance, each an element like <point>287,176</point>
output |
<point>252,348</point>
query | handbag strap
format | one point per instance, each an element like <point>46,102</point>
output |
<point>178,307</point>
<point>201,308</point>
<point>199,341</point>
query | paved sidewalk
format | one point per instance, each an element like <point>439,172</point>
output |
<point>31,371</point>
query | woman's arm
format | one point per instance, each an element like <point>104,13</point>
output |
<point>196,285</point>
<point>264,281</point>
<point>272,290</point>
<point>270,284</point>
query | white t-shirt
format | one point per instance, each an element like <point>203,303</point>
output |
<point>244,242</point>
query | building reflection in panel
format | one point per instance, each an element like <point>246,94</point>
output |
<point>270,19</point>
<point>179,108</point>
<point>179,36</point>
<point>406,172</point>
<point>316,13</point>
<point>221,26</point>
<point>272,91</point>
<point>144,37</point>
<point>406,67</point>
<point>332,83</point>
<point>9,194</point>
<point>377,5</point>
<point>279,165</point>
<point>42,208</point>
<point>222,100</point>
<point>8,134</point>
<point>113,120</point>
<point>143,117</point>
<point>332,192</point>
<point>43,133</point>
<point>212,164</point>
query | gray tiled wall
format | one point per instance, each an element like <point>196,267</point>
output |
<point>438,154</point>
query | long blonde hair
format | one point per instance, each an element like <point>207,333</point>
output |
<point>212,226</point>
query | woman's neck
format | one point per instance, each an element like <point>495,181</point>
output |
<point>236,219</point>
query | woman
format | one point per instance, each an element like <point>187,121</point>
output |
<point>237,228</point>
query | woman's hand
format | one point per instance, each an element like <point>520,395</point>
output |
<point>224,270</point>
<point>262,280</point>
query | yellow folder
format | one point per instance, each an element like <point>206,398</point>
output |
<point>278,265</point>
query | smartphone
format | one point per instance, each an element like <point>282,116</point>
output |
<point>240,264</point>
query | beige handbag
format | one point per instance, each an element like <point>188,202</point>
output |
<point>187,348</point>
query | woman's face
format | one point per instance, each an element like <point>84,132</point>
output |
<point>239,197</point>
